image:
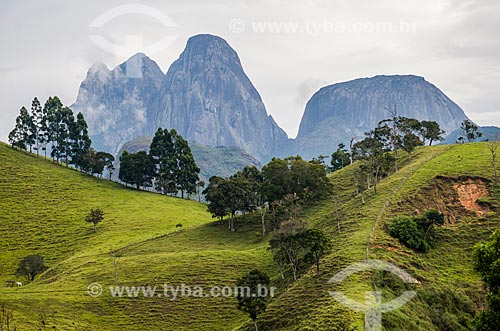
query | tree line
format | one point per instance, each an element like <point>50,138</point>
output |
<point>280,187</point>
<point>377,153</point>
<point>54,128</point>
<point>169,166</point>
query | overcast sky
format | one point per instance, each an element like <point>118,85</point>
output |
<point>288,48</point>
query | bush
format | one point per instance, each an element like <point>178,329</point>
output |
<point>417,232</point>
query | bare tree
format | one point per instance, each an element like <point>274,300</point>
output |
<point>493,146</point>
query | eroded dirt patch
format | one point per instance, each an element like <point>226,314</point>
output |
<point>455,197</point>
<point>469,191</point>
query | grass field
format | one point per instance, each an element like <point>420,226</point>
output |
<point>43,207</point>
<point>43,210</point>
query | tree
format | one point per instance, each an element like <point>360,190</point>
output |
<point>30,266</point>
<point>410,141</point>
<point>186,172</point>
<point>253,294</point>
<point>163,153</point>
<point>137,169</point>
<point>431,131</point>
<point>215,198</point>
<point>79,140</point>
<point>470,130</point>
<point>340,158</point>
<point>287,245</point>
<point>493,146</point>
<point>95,216</point>
<point>22,135</point>
<point>199,185</point>
<point>38,118</point>
<point>317,244</point>
<point>487,263</point>
<point>374,157</point>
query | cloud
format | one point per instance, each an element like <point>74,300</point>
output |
<point>454,45</point>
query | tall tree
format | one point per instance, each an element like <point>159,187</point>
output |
<point>22,135</point>
<point>79,140</point>
<point>317,244</point>
<point>186,171</point>
<point>215,197</point>
<point>163,154</point>
<point>340,158</point>
<point>254,294</point>
<point>470,130</point>
<point>431,131</point>
<point>493,147</point>
<point>137,169</point>
<point>38,119</point>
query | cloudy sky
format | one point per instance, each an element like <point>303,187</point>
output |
<point>288,48</point>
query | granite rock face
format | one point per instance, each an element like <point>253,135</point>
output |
<point>338,112</point>
<point>207,97</point>
<point>117,103</point>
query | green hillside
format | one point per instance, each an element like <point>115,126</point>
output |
<point>449,293</point>
<point>43,207</point>
<point>43,210</point>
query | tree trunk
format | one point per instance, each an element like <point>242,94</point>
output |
<point>95,227</point>
<point>263,222</point>
<point>495,175</point>
<point>255,324</point>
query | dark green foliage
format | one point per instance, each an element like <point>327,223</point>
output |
<point>293,175</point>
<point>96,162</point>
<point>228,196</point>
<point>215,197</point>
<point>30,266</point>
<point>22,135</point>
<point>430,130</point>
<point>470,130</point>
<point>253,298</point>
<point>137,169</point>
<point>487,263</point>
<point>410,141</point>
<point>79,141</point>
<point>95,216</point>
<point>295,247</point>
<point>175,167</point>
<point>417,232</point>
<point>340,158</point>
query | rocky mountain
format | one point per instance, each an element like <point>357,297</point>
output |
<point>205,95</point>
<point>116,103</point>
<point>338,112</point>
<point>219,161</point>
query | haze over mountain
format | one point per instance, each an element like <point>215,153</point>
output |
<point>207,97</point>
<point>116,103</point>
<point>338,112</point>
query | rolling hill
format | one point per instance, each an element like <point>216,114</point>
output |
<point>44,205</point>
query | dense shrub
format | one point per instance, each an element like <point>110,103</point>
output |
<point>417,232</point>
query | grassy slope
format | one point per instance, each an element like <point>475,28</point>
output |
<point>43,207</point>
<point>206,254</point>
<point>448,282</point>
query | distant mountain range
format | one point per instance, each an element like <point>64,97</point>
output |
<point>222,161</point>
<point>207,97</point>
